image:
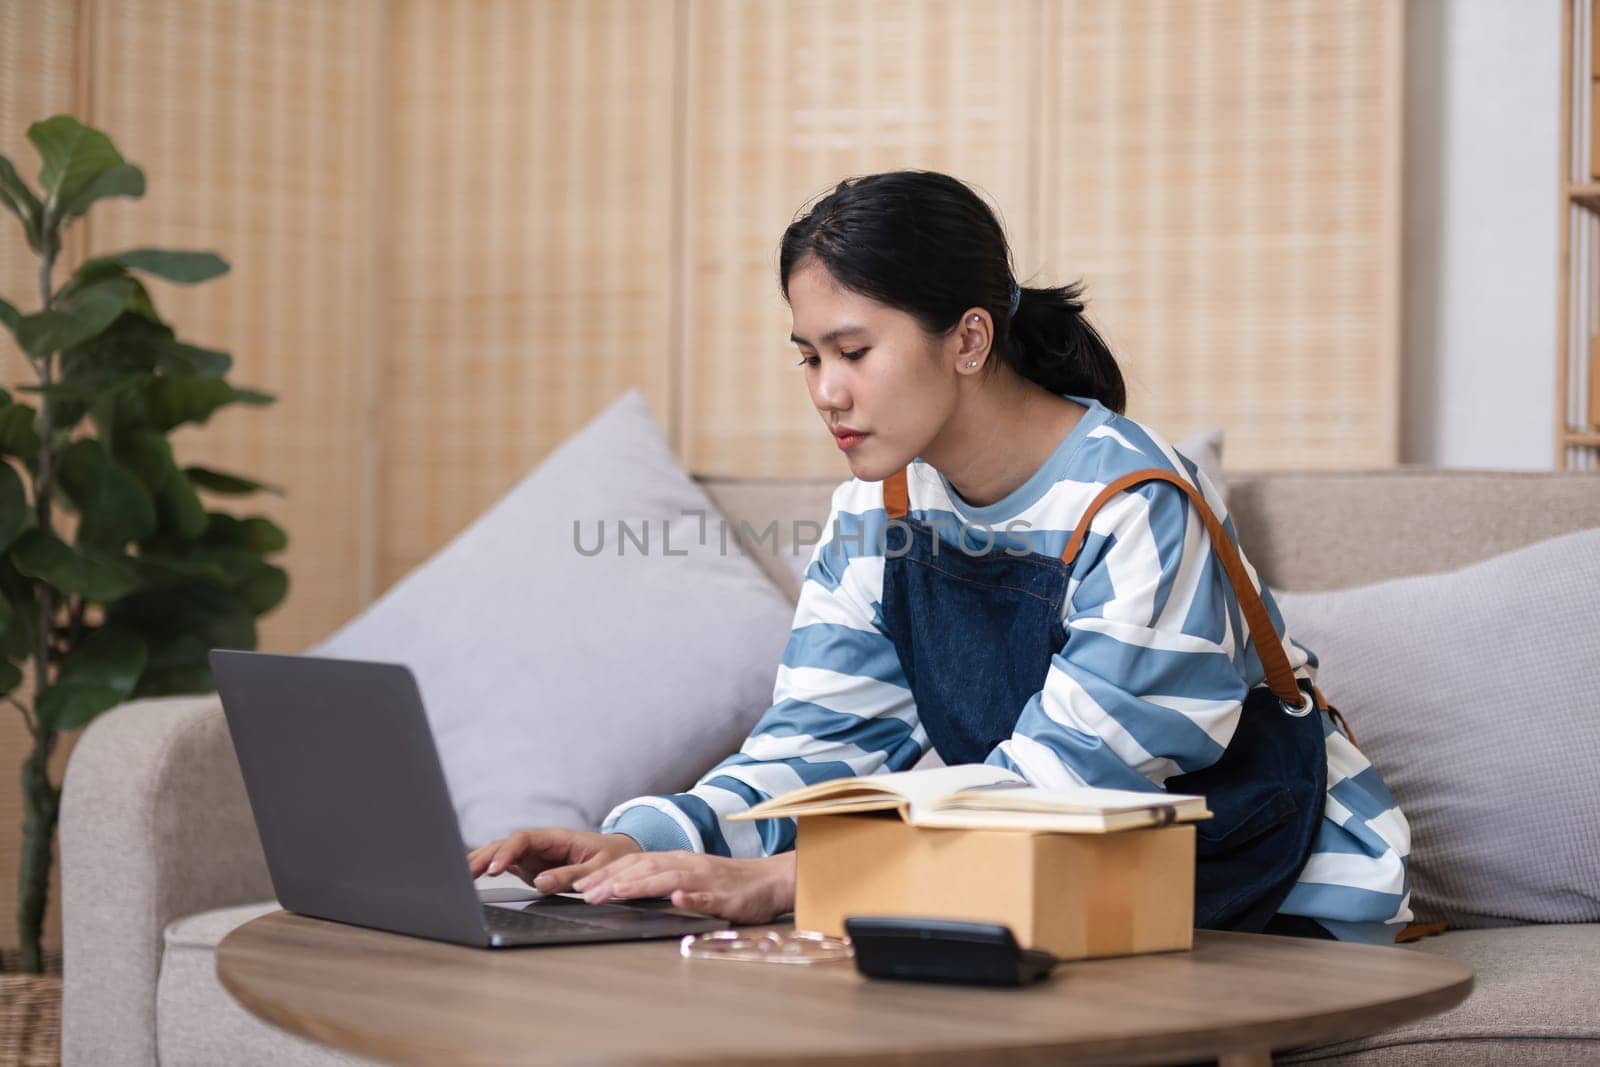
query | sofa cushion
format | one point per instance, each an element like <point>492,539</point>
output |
<point>1474,694</point>
<point>1532,1001</point>
<point>198,1022</point>
<point>567,666</point>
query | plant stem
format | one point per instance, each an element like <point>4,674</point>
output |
<point>39,797</point>
<point>43,806</point>
<point>27,716</point>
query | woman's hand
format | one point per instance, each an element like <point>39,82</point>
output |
<point>549,860</point>
<point>742,891</point>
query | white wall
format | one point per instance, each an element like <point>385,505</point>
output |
<point>1480,210</point>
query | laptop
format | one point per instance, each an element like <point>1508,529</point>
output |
<point>356,820</point>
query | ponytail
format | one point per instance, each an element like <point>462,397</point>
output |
<point>1051,343</point>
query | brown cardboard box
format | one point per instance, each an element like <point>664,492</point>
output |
<point>1076,895</point>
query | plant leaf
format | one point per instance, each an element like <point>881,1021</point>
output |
<point>209,611</point>
<point>192,361</point>
<point>186,268</point>
<point>22,201</point>
<point>221,482</point>
<point>113,504</point>
<point>179,506</point>
<point>122,180</point>
<point>264,589</point>
<point>255,533</point>
<point>77,317</point>
<point>10,316</point>
<point>42,555</point>
<point>73,154</point>
<point>10,677</point>
<point>157,570</point>
<point>148,455</point>
<point>17,434</point>
<point>171,402</point>
<point>179,663</point>
<point>21,610</point>
<point>97,675</point>
<point>14,512</point>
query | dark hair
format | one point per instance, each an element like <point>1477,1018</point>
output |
<point>926,244</point>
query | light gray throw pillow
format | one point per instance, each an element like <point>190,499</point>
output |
<point>1476,693</point>
<point>559,683</point>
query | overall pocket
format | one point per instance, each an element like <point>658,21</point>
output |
<point>1218,836</point>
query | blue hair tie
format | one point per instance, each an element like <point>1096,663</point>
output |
<point>1016,299</point>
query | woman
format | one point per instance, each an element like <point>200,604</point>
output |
<point>980,420</point>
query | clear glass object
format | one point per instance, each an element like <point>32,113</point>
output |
<point>770,946</point>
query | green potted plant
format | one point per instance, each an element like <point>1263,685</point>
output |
<point>115,578</point>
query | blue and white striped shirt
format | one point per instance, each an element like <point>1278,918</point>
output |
<point>1149,684</point>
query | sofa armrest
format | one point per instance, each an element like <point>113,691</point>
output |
<point>155,825</point>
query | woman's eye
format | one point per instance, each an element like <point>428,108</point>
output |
<point>811,361</point>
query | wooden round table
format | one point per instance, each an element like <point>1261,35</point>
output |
<point>406,1000</point>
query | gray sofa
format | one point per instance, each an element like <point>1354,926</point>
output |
<point>160,856</point>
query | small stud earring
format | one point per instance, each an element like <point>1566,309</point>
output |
<point>972,363</point>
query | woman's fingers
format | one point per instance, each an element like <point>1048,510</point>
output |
<point>561,879</point>
<point>478,859</point>
<point>642,884</point>
<point>536,849</point>
<point>704,902</point>
<point>621,867</point>
<point>656,874</point>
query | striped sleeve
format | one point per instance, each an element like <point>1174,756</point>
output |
<point>1157,661</point>
<point>841,705</point>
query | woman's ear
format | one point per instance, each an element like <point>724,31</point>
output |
<point>973,335</point>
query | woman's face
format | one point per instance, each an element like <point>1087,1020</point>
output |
<point>870,368</point>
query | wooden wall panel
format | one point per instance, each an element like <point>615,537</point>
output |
<point>255,125</point>
<point>39,46</point>
<point>527,246</point>
<point>1225,175</point>
<point>783,101</point>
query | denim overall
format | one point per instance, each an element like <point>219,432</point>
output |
<point>976,634</point>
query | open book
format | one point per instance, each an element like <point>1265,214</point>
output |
<point>979,796</point>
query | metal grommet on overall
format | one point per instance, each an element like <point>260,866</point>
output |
<point>1302,711</point>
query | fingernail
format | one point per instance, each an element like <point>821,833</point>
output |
<point>543,883</point>
<point>494,868</point>
<point>581,884</point>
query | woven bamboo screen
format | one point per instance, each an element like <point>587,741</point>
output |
<point>1226,177</point>
<point>527,255</point>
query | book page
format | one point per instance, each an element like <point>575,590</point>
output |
<point>1080,800</point>
<point>879,791</point>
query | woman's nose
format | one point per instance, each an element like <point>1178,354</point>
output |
<point>831,392</point>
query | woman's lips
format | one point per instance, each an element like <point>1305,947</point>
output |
<point>847,441</point>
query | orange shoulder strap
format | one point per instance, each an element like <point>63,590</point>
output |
<point>896,497</point>
<point>1273,659</point>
